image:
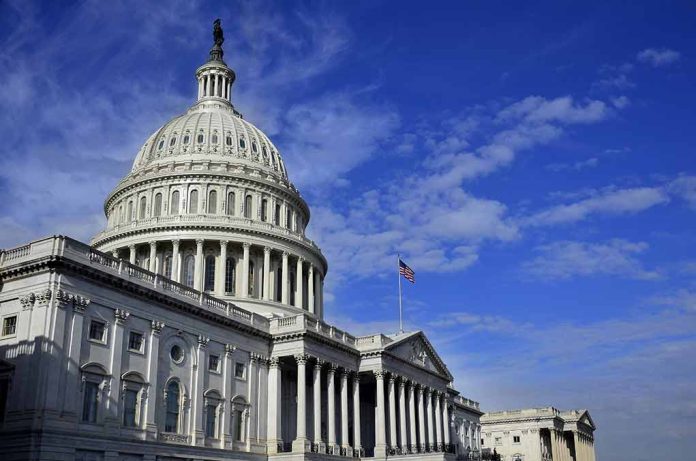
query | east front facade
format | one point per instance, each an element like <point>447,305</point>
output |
<point>193,326</point>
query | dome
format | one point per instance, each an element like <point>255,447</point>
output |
<point>212,131</point>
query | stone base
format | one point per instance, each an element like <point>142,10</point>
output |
<point>301,446</point>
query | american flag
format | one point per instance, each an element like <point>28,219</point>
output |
<point>407,272</point>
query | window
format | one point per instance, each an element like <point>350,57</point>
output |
<point>209,284</point>
<point>174,206</point>
<point>171,423</point>
<point>157,209</point>
<point>130,406</point>
<point>167,266</point>
<point>97,330</point>
<point>176,353</point>
<point>251,278</point>
<point>119,218</point>
<point>135,341</point>
<point>239,370</point>
<point>242,143</point>
<point>187,139</point>
<point>230,268</point>
<point>193,202</point>
<point>239,424</point>
<point>515,439</point>
<point>211,421</point>
<point>89,402</point>
<point>288,218</point>
<point>264,210</point>
<point>278,285</point>
<point>9,326</point>
<point>161,144</point>
<point>189,267</point>
<point>265,153</point>
<point>142,208</point>
<point>214,362</point>
<point>172,142</point>
<point>253,147</point>
<point>214,139</point>
<point>212,202</point>
<point>200,139</point>
<point>247,206</point>
<point>130,211</point>
<point>498,440</point>
<point>228,140</point>
<point>276,219</point>
<point>230,203</point>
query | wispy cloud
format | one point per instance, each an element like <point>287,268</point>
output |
<point>658,57</point>
<point>567,259</point>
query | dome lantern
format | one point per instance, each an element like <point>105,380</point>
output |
<point>215,79</point>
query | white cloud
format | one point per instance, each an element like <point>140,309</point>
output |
<point>577,166</point>
<point>658,57</point>
<point>566,259</point>
<point>684,187</point>
<point>536,109</point>
<point>609,202</point>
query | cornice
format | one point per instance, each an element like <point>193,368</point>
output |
<point>309,334</point>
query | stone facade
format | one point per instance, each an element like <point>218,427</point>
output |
<point>193,326</point>
<point>539,434</point>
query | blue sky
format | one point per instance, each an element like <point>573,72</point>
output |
<point>533,163</point>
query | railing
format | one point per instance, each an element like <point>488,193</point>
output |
<point>59,246</point>
<point>304,322</point>
<point>237,221</point>
<point>370,341</point>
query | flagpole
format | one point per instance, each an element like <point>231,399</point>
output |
<point>398,274</point>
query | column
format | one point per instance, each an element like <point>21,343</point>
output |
<point>429,412</point>
<point>421,420</point>
<point>112,401</point>
<point>413,446</point>
<point>274,387</point>
<point>245,271</point>
<point>393,443</point>
<point>317,307</point>
<point>153,389</point>
<point>380,433</point>
<point>222,269</point>
<point>208,85</point>
<point>317,401</point>
<point>266,273</point>
<point>331,406</point>
<point>438,421</point>
<point>357,445</point>
<point>175,261</point>
<point>445,420</point>
<point>197,430</point>
<point>310,289</point>
<point>227,394</point>
<point>284,288</point>
<point>198,272</point>
<point>131,256</point>
<point>300,442</point>
<point>344,410</point>
<point>252,392</point>
<point>215,85</point>
<point>402,416</point>
<point>298,283</point>
<point>153,257</point>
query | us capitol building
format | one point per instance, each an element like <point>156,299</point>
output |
<point>192,327</point>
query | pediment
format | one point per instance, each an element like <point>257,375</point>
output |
<point>416,349</point>
<point>586,419</point>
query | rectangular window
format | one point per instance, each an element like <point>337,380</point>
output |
<point>97,330</point>
<point>239,370</point>
<point>9,326</point>
<point>135,341</point>
<point>130,402</point>
<point>89,404</point>
<point>213,363</point>
<point>498,440</point>
<point>210,418</point>
<point>515,439</point>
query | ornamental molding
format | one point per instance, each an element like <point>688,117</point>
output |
<point>79,303</point>
<point>157,326</point>
<point>121,315</point>
<point>27,301</point>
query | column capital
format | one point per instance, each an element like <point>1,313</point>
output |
<point>402,382</point>
<point>203,341</point>
<point>285,254</point>
<point>175,241</point>
<point>266,249</point>
<point>345,373</point>
<point>121,316</point>
<point>156,326</point>
<point>229,349</point>
<point>153,243</point>
<point>274,362</point>
<point>379,374</point>
<point>301,359</point>
<point>246,245</point>
<point>223,243</point>
<point>199,241</point>
<point>356,378</point>
<point>319,364</point>
<point>300,259</point>
<point>131,247</point>
<point>393,377</point>
<point>332,368</point>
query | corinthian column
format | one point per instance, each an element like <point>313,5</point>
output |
<point>175,261</point>
<point>421,420</point>
<point>317,401</point>
<point>131,256</point>
<point>284,288</point>
<point>198,271</point>
<point>392,412</point>
<point>310,289</point>
<point>380,433</point>
<point>266,273</point>
<point>429,412</point>
<point>445,421</point>
<point>300,442</point>
<point>245,271</point>
<point>153,256</point>
<point>344,410</point>
<point>413,446</point>
<point>356,414</point>
<point>331,407</point>
<point>298,283</point>
<point>438,421</point>
<point>402,415</point>
<point>222,270</point>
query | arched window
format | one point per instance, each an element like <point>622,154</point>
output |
<point>209,284</point>
<point>189,267</point>
<point>167,269</point>
<point>276,219</point>
<point>230,203</point>
<point>161,144</point>
<point>212,202</point>
<point>129,212</point>
<point>214,139</point>
<point>253,147</point>
<point>242,143</point>
<point>132,387</point>
<point>199,139</point>
<point>251,278</point>
<point>158,205</point>
<point>172,142</point>
<point>193,202</point>
<point>174,204</point>
<point>264,210</point>
<point>171,423</point>
<point>228,140</point>
<point>247,207</point>
<point>187,138</point>
<point>143,207</point>
<point>230,275</point>
<point>288,218</point>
